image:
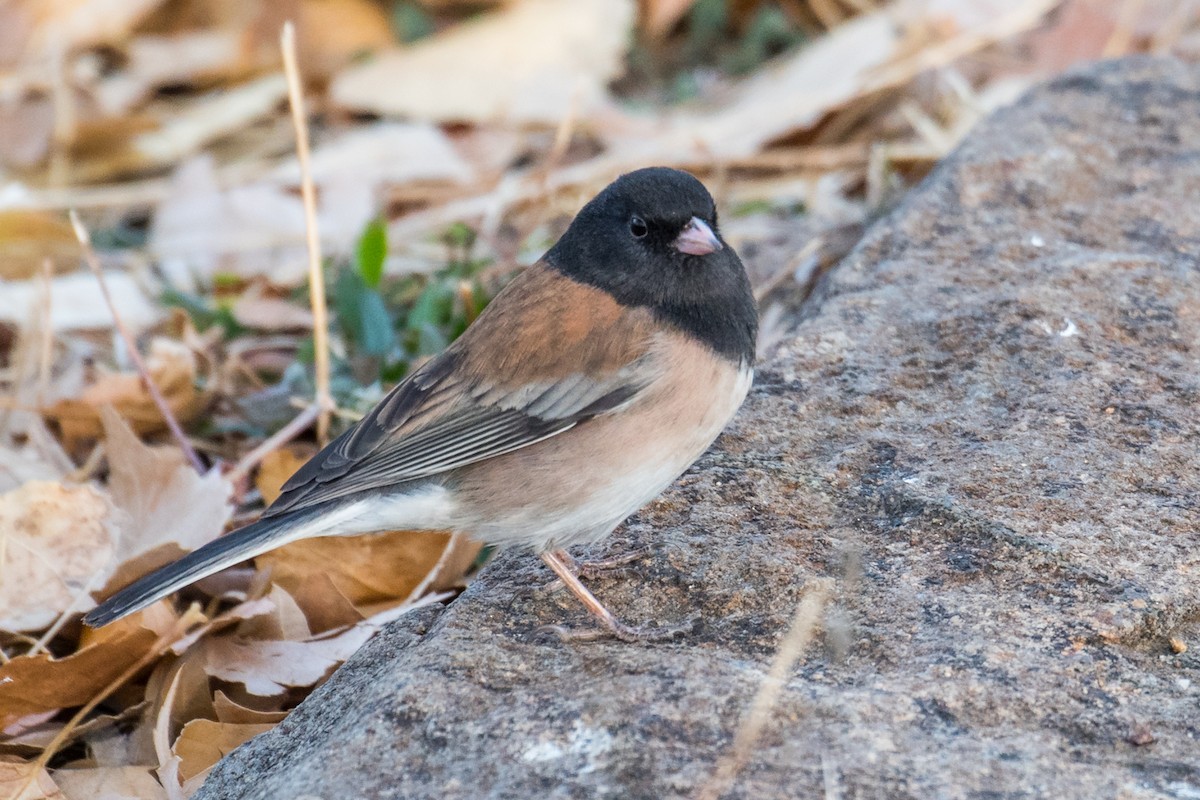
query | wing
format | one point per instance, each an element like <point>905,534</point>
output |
<point>547,354</point>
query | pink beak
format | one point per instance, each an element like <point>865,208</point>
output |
<point>697,239</point>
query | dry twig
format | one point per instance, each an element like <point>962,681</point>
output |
<point>89,256</point>
<point>308,192</point>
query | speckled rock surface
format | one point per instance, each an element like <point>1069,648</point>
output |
<point>986,431</point>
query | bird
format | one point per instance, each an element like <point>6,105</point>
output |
<point>592,381</point>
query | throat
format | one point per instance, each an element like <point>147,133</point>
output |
<point>729,329</point>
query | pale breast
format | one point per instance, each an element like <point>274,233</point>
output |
<point>579,485</point>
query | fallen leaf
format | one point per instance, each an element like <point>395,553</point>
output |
<point>250,230</point>
<point>56,543</point>
<point>26,126</point>
<point>75,304</point>
<point>20,780</point>
<point>269,668</point>
<point>255,310</point>
<point>368,569</point>
<point>166,500</point>
<point>204,742</point>
<point>203,120</point>
<point>109,783</point>
<point>332,33</point>
<point>384,152</point>
<point>170,364</point>
<point>528,62</point>
<point>41,683</point>
<point>232,713</point>
<point>276,467</point>
<point>30,238</point>
<point>192,57</point>
<point>19,466</point>
<point>66,25</point>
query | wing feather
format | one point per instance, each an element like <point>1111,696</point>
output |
<point>453,411</point>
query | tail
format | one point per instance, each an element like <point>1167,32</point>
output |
<point>244,543</point>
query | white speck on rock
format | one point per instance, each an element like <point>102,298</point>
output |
<point>1037,241</point>
<point>543,751</point>
<point>587,744</point>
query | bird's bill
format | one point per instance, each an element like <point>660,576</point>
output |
<point>697,239</point>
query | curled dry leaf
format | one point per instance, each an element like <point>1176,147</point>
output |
<point>166,501</point>
<point>109,783</point>
<point>369,572</point>
<point>334,32</point>
<point>35,27</point>
<point>20,780</point>
<point>19,466</point>
<point>260,312</point>
<point>204,742</point>
<point>171,365</point>
<point>202,121</point>
<point>74,304</point>
<point>30,238</point>
<point>56,543</point>
<point>269,668</point>
<point>233,713</point>
<point>40,683</point>
<point>528,62</point>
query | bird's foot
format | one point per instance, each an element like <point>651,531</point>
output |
<point>609,624</point>
<point>595,567</point>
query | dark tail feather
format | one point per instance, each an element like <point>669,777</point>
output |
<point>213,557</point>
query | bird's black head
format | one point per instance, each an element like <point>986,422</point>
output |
<point>651,239</point>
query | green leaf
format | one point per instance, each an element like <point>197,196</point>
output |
<point>375,324</point>
<point>410,22</point>
<point>432,307</point>
<point>362,314</point>
<point>371,252</point>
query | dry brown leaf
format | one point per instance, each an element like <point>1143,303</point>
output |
<point>109,783</point>
<point>56,543</point>
<point>194,57</point>
<point>528,62</point>
<point>368,569</point>
<point>323,604</point>
<point>254,310</point>
<point>384,153</point>
<point>75,305</point>
<point>364,571</point>
<point>334,32</point>
<point>19,466</point>
<point>252,230</point>
<point>204,119</point>
<point>276,468</point>
<point>26,127</point>
<point>29,238</point>
<point>20,780</point>
<point>171,365</point>
<point>167,502</point>
<point>37,684</point>
<point>269,668</point>
<point>204,742</point>
<point>38,27</point>
<point>232,713</point>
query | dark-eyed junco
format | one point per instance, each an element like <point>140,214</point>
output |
<point>592,381</point>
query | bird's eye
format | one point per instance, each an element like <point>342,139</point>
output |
<point>637,226</point>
